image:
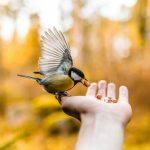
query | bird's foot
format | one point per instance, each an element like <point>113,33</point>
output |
<point>59,95</point>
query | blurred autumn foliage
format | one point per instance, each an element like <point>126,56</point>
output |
<point>115,50</point>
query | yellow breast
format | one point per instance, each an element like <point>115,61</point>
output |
<point>58,83</point>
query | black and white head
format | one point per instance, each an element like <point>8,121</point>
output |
<point>78,76</point>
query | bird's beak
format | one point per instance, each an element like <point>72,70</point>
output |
<point>85,82</point>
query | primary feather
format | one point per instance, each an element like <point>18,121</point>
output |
<point>55,53</point>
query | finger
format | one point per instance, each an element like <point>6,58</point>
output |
<point>111,90</point>
<point>123,94</point>
<point>92,90</point>
<point>75,103</point>
<point>101,89</point>
<point>72,102</point>
<point>72,106</point>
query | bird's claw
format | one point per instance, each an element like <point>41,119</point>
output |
<point>59,95</point>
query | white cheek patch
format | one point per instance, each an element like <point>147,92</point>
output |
<point>75,76</point>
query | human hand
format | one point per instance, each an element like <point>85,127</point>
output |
<point>102,120</point>
<point>83,107</point>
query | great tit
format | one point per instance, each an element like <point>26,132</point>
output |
<point>56,65</point>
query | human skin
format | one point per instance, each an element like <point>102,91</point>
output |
<point>102,123</point>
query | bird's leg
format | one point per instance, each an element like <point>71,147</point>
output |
<point>58,95</point>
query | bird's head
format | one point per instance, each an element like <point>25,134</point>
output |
<point>78,76</point>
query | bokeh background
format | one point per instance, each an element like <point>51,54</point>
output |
<point>109,40</point>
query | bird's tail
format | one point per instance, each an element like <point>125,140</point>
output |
<point>30,77</point>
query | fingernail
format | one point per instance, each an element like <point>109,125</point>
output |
<point>102,84</point>
<point>111,85</point>
<point>93,85</point>
<point>123,90</point>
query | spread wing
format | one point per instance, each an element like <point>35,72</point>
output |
<point>55,53</point>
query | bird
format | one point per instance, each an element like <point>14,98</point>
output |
<point>56,65</point>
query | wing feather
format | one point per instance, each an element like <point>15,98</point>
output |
<point>55,52</point>
<point>56,37</point>
<point>60,39</point>
<point>63,39</point>
<point>51,45</point>
<point>55,40</point>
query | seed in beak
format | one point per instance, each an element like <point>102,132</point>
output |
<point>85,82</point>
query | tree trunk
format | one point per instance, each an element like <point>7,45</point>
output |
<point>77,30</point>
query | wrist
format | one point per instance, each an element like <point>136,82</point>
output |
<point>105,132</point>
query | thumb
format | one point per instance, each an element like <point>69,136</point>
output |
<point>72,102</point>
<point>71,106</point>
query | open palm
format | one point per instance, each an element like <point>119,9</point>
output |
<point>118,110</point>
